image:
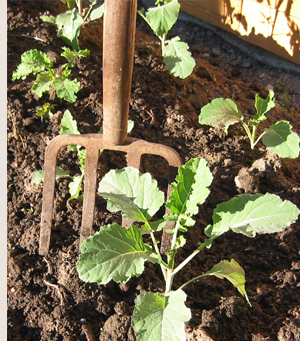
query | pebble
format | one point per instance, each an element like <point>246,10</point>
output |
<point>270,87</point>
<point>216,52</point>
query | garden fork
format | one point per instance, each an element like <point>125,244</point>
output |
<point>118,58</point>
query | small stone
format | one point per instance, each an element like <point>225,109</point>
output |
<point>246,64</point>
<point>216,52</point>
<point>270,87</point>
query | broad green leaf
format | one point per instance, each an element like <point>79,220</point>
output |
<point>69,27</point>
<point>281,140</point>
<point>162,18</point>
<point>178,58</point>
<point>75,186</point>
<point>43,83</point>
<point>38,176</point>
<point>190,188</point>
<point>133,193</point>
<point>97,13</point>
<point>66,89</point>
<point>233,272</point>
<point>251,214</point>
<point>262,106</point>
<point>48,19</point>
<point>220,113</point>
<point>161,317</point>
<point>32,62</point>
<point>113,253</point>
<point>68,125</point>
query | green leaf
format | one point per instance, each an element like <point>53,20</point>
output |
<point>178,59</point>
<point>68,24</point>
<point>68,125</point>
<point>70,55</point>
<point>162,18</point>
<point>251,214</point>
<point>43,83</point>
<point>75,187</point>
<point>220,113</point>
<point>233,272</point>
<point>48,19</point>
<point>82,157</point>
<point>32,62</point>
<point>190,188</point>
<point>66,89</point>
<point>130,125</point>
<point>133,193</point>
<point>281,140</point>
<point>38,176</point>
<point>161,317</point>
<point>97,13</point>
<point>155,226</point>
<point>113,253</point>
<point>263,105</point>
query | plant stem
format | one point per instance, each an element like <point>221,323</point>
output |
<point>79,6</point>
<point>192,280</point>
<point>251,135</point>
<point>163,265</point>
<point>259,137</point>
<point>193,254</point>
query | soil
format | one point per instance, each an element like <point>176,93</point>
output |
<point>46,299</point>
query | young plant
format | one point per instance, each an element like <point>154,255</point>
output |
<point>69,126</point>
<point>69,23</point>
<point>278,138</point>
<point>45,112</point>
<point>36,62</point>
<point>116,253</point>
<point>175,52</point>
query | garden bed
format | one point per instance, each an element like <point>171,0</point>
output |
<point>46,298</point>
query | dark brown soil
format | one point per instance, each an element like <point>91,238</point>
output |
<point>46,299</point>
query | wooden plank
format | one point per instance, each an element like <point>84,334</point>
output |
<point>214,12</point>
<point>271,24</point>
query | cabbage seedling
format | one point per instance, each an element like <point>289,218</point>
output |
<point>278,138</point>
<point>175,52</point>
<point>116,253</point>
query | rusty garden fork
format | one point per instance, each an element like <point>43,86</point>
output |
<point>118,58</point>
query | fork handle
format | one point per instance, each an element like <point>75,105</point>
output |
<point>118,58</point>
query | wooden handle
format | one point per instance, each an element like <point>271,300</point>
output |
<point>118,58</point>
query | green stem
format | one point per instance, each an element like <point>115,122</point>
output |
<point>163,43</point>
<point>89,10</point>
<point>79,6</point>
<point>252,135</point>
<point>192,280</point>
<point>259,137</point>
<point>163,265</point>
<point>193,254</point>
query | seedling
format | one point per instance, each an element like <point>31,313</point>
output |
<point>36,62</point>
<point>278,138</point>
<point>69,126</point>
<point>69,23</point>
<point>175,52</point>
<point>116,253</point>
<point>45,112</point>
